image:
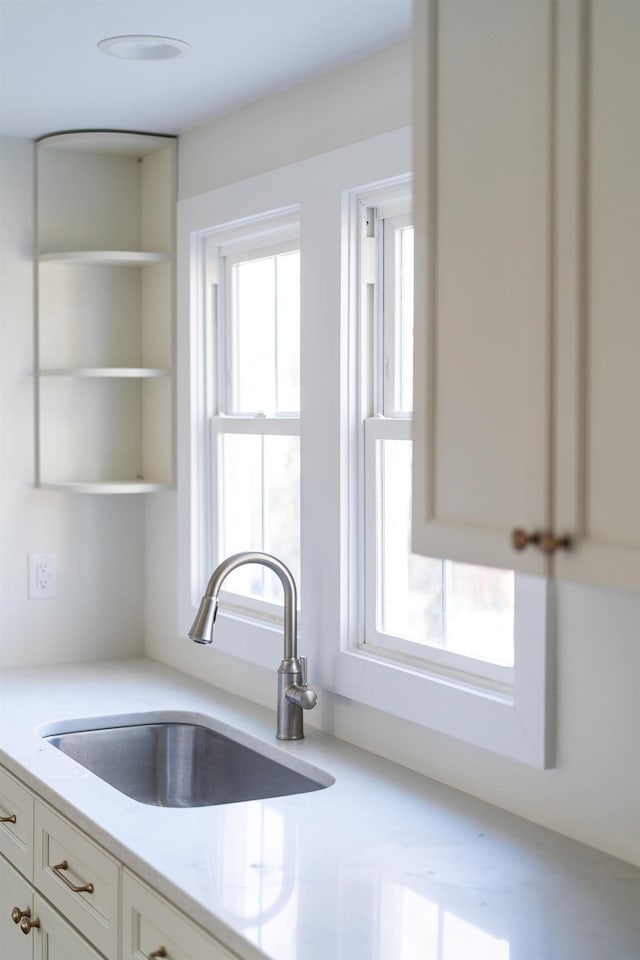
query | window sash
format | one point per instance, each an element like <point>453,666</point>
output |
<point>227,375</point>
<point>375,429</point>
<point>391,357</point>
<point>259,424</point>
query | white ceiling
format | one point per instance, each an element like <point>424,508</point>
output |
<point>53,77</point>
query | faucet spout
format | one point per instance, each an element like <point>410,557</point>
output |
<point>294,694</point>
<point>202,629</point>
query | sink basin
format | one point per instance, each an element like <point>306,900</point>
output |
<point>183,764</point>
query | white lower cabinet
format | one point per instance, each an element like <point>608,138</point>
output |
<point>30,928</point>
<point>64,897</point>
<point>152,927</point>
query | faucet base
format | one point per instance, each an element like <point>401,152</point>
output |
<point>289,722</point>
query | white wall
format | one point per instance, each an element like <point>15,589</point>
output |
<point>351,104</point>
<point>98,541</point>
<point>594,792</point>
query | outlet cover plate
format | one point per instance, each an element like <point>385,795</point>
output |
<point>43,575</point>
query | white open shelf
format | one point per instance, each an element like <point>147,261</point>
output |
<point>114,487</point>
<point>105,335</point>
<point>138,373</point>
<point>106,258</point>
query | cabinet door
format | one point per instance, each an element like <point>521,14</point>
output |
<point>482,164</point>
<point>150,925</point>
<point>598,368</point>
<point>54,939</point>
<point>15,893</point>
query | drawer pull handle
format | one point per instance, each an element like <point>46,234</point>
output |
<point>17,914</point>
<point>59,867</point>
<point>11,819</point>
<point>26,924</point>
<point>160,952</point>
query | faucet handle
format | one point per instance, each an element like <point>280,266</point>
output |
<point>299,692</point>
<point>303,671</point>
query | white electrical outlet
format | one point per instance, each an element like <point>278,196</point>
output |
<point>43,575</point>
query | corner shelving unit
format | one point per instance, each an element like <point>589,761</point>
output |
<point>105,312</point>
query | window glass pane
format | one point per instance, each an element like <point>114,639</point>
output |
<point>404,320</point>
<point>265,335</point>
<point>260,508</point>
<point>288,332</point>
<point>463,608</point>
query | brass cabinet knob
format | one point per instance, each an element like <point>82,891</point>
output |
<point>26,924</point>
<point>547,542</point>
<point>10,819</point>
<point>550,543</point>
<point>17,914</point>
<point>160,952</point>
<point>520,539</point>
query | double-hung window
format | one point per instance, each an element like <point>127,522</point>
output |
<point>253,378</point>
<point>457,648</point>
<point>451,615</point>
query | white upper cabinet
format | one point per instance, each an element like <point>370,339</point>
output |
<point>527,196</point>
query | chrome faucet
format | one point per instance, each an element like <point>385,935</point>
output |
<point>294,694</point>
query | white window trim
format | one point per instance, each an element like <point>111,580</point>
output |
<point>515,725</point>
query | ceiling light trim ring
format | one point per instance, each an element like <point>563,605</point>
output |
<point>144,47</point>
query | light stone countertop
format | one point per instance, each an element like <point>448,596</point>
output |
<point>383,865</point>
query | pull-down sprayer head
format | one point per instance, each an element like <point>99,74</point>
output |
<point>202,627</point>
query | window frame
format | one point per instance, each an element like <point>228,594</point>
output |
<point>504,710</point>
<point>213,253</point>
<point>280,234</point>
<point>381,417</point>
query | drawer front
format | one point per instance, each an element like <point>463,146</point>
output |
<point>78,877</point>
<point>150,924</point>
<point>16,823</point>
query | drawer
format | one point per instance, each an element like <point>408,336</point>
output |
<point>16,823</point>
<point>150,925</point>
<point>78,877</point>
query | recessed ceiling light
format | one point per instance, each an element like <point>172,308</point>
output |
<point>144,47</point>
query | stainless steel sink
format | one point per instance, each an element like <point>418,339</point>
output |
<point>182,764</point>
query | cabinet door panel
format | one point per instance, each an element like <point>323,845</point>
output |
<point>14,892</point>
<point>55,939</point>
<point>482,277</point>
<point>606,485</point>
